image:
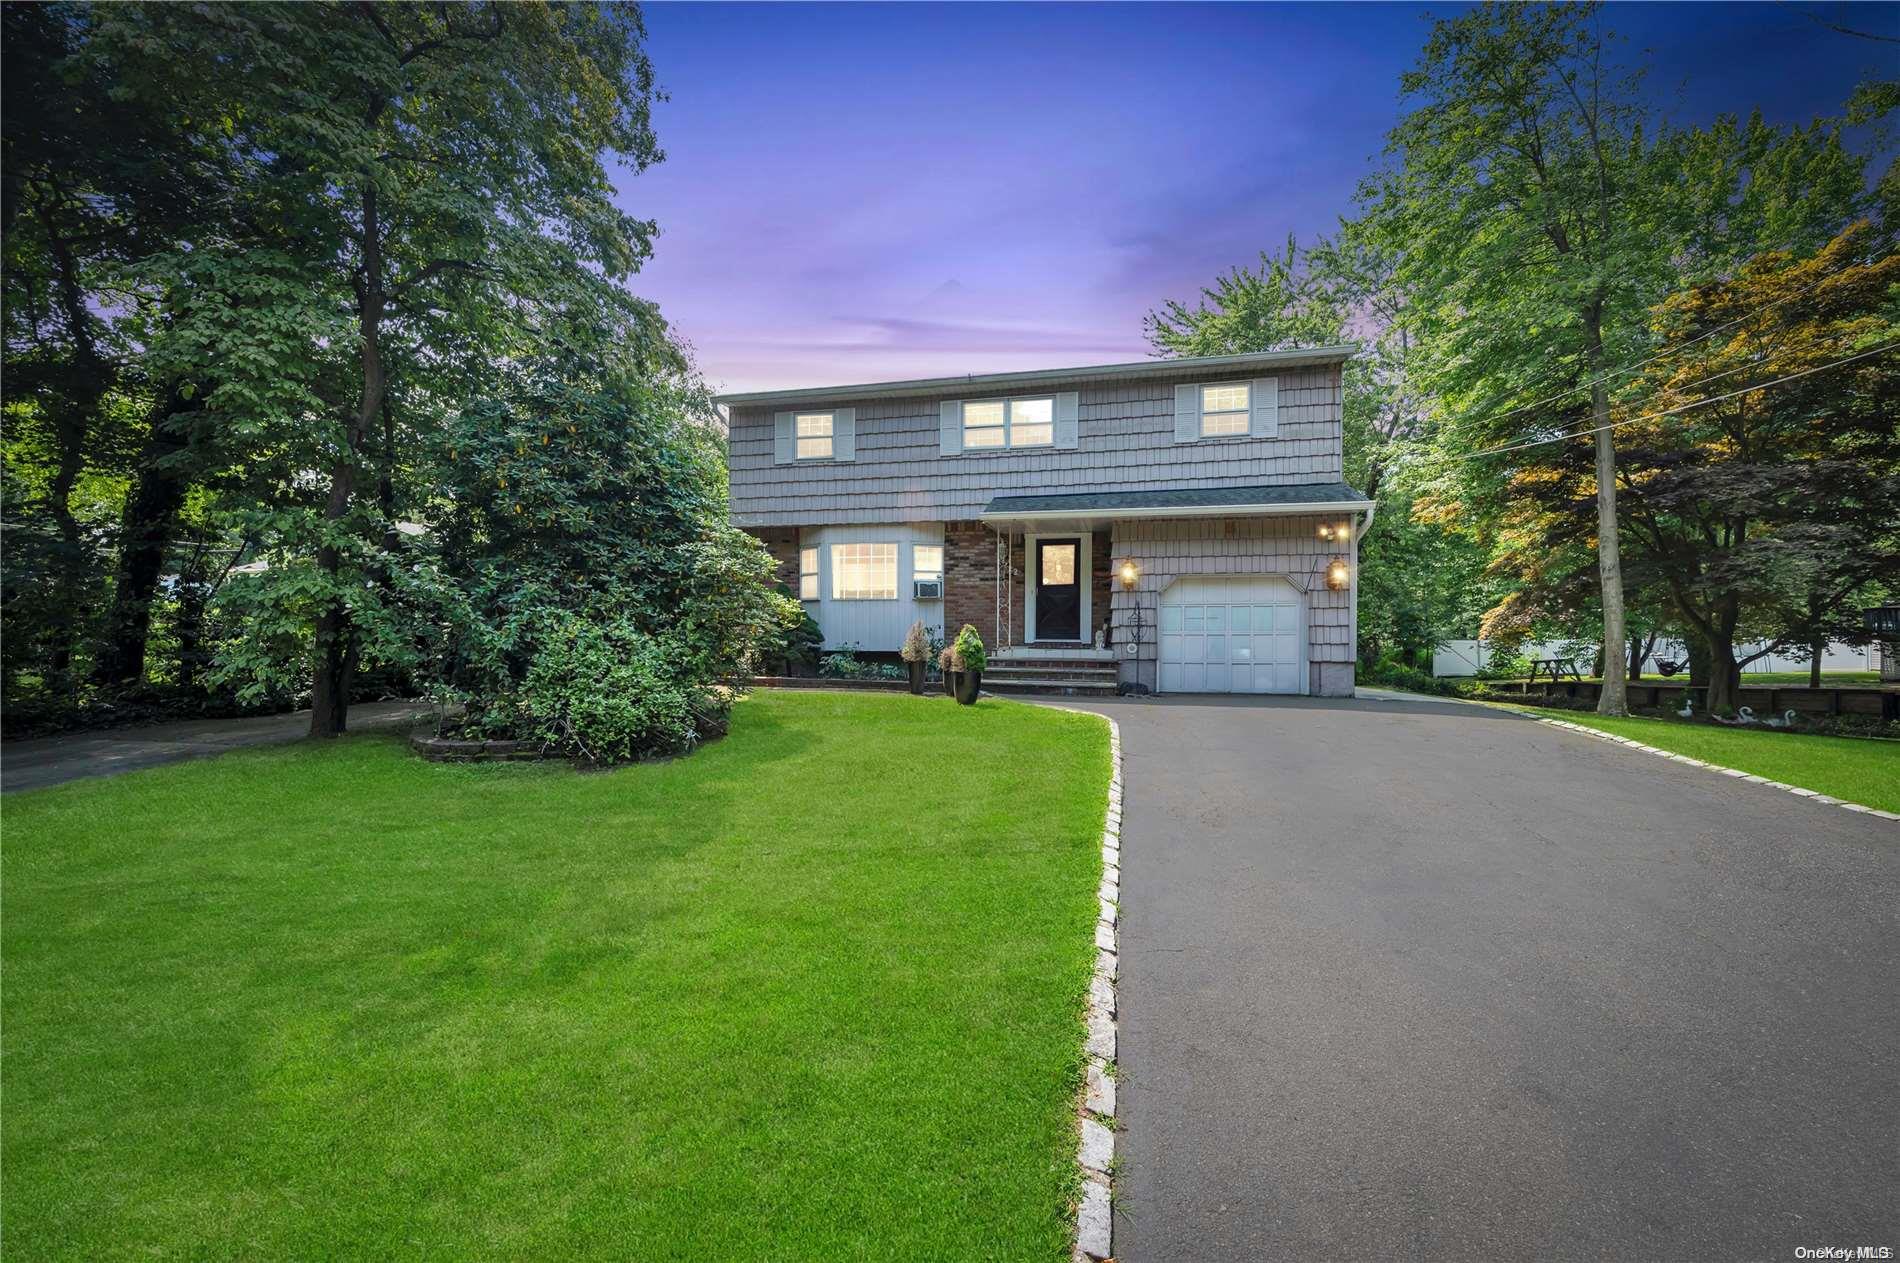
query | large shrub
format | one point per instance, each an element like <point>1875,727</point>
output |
<point>590,590</point>
<point>605,691</point>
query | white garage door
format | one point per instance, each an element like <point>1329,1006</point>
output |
<point>1232,636</point>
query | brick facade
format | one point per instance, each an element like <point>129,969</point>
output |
<point>970,591</point>
<point>969,580</point>
<point>782,543</point>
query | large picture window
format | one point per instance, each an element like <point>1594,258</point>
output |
<point>996,423</point>
<point>808,574</point>
<point>864,572</point>
<point>813,430</point>
<point>1224,409</point>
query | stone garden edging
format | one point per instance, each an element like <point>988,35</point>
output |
<point>1750,777</point>
<point>1095,1150</point>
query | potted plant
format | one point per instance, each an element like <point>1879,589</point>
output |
<point>916,655</point>
<point>971,659</point>
<point>947,663</point>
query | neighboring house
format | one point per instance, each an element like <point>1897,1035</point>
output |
<point>1186,519</point>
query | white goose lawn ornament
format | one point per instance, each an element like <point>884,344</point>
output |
<point>1743,715</point>
<point>1786,721</point>
<point>1688,705</point>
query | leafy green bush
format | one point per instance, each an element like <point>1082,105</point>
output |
<point>846,665</point>
<point>971,656</point>
<point>1505,666</point>
<point>607,692</point>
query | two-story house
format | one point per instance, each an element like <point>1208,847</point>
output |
<point>1186,520</point>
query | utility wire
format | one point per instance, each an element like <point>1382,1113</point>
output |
<point>1654,416</point>
<point>1631,368</point>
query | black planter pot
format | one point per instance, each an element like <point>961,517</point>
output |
<point>916,677</point>
<point>949,683</point>
<point>968,685</point>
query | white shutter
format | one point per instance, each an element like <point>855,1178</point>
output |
<point>1068,410</point>
<point>844,434</point>
<point>1265,422</point>
<point>1187,413</point>
<point>950,434</point>
<point>784,446</point>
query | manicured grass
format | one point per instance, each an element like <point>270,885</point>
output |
<point>1857,769</point>
<point>1799,679</point>
<point>814,992</point>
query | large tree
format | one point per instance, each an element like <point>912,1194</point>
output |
<point>1517,204</point>
<point>437,182</point>
<point>1772,507</point>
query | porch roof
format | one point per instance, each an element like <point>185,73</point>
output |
<point>1312,497</point>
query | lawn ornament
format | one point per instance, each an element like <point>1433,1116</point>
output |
<point>1743,715</point>
<point>1688,706</point>
<point>1786,721</point>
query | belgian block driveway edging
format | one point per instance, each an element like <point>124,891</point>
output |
<point>1095,1152</point>
<point>1750,777</point>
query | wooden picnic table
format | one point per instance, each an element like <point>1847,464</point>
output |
<point>1554,668</point>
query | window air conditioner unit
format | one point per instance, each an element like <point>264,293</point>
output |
<point>926,589</point>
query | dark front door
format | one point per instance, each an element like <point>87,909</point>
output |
<point>1058,589</point>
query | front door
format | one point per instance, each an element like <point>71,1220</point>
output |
<point>1058,589</point>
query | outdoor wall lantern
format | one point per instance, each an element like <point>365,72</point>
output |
<point>1336,574</point>
<point>1130,573</point>
<point>1326,530</point>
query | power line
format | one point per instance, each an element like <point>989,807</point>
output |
<point>1667,412</point>
<point>1631,368</point>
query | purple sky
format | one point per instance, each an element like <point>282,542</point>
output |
<point>864,192</point>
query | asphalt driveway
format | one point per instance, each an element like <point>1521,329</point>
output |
<point>1413,981</point>
<point>37,762</point>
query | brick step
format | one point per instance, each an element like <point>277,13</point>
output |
<point>1068,686</point>
<point>1043,670</point>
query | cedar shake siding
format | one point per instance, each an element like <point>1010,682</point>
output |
<point>1124,442</point>
<point>1287,547</point>
<point>1128,470</point>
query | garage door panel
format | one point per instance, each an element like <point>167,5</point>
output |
<point>1231,635</point>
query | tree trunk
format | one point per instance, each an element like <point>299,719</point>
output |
<point>335,653</point>
<point>145,532</point>
<point>1725,678</point>
<point>1819,650</point>
<point>1614,699</point>
<point>73,421</point>
<point>1698,650</point>
<point>1640,648</point>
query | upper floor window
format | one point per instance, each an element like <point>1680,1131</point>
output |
<point>1224,409</point>
<point>1009,423</point>
<point>814,431</point>
<point>864,572</point>
<point>808,574</point>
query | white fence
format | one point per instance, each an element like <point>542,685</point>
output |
<point>1468,657</point>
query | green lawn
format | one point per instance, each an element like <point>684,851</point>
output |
<point>1799,679</point>
<point>814,992</point>
<point>1857,769</point>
